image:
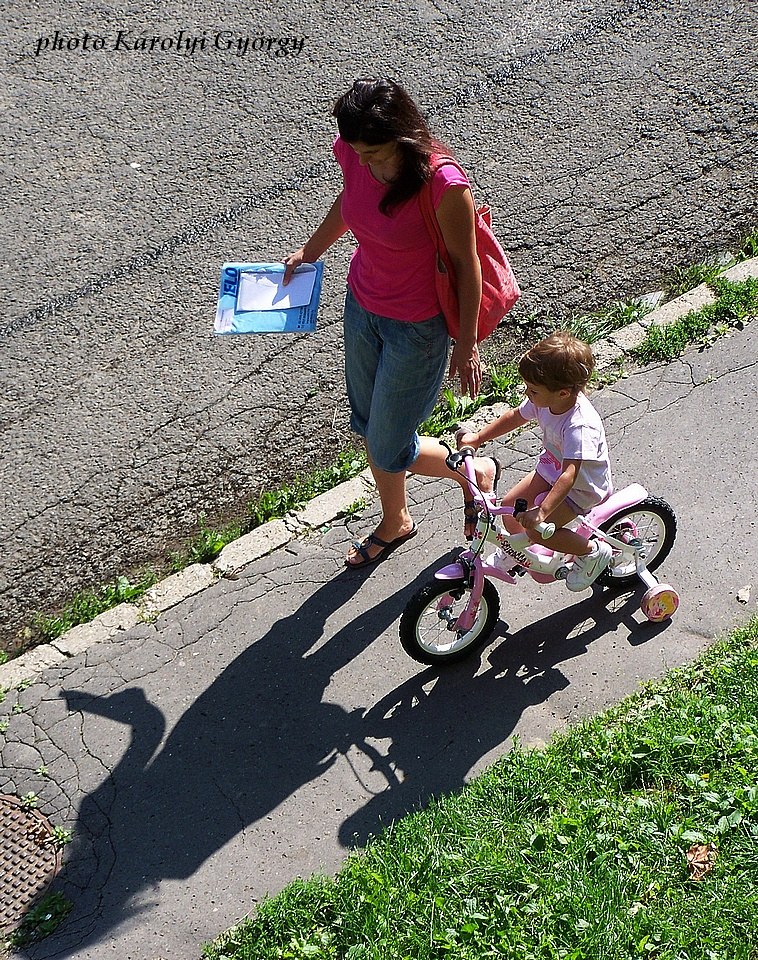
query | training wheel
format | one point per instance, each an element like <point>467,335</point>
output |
<point>660,602</point>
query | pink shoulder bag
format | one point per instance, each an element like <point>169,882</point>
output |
<point>500,290</point>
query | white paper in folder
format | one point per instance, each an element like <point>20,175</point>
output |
<point>264,289</point>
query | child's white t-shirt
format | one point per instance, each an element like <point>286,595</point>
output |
<point>577,434</point>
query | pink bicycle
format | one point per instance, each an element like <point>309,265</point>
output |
<point>455,614</point>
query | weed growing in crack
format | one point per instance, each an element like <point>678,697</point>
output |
<point>736,302</point>
<point>88,604</point>
<point>40,921</point>
<point>274,504</point>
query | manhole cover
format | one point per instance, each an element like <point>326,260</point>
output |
<point>29,859</point>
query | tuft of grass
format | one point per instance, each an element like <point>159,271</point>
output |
<point>503,386</point>
<point>736,302</point>
<point>448,412</point>
<point>207,545</point>
<point>274,504</point>
<point>748,246</point>
<point>576,851</point>
<point>594,326</point>
<point>357,507</point>
<point>40,921</point>
<point>684,279</point>
<point>88,604</point>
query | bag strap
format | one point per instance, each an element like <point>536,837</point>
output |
<point>427,208</point>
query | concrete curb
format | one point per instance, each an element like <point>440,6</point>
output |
<point>319,512</point>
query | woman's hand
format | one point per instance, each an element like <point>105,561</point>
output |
<point>291,263</point>
<point>331,228</point>
<point>466,363</point>
<point>457,218</point>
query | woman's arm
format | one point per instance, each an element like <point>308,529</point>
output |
<point>331,228</point>
<point>456,216</point>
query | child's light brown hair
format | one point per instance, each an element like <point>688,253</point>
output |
<point>559,362</point>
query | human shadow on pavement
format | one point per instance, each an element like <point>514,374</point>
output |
<point>258,733</point>
<point>444,720</point>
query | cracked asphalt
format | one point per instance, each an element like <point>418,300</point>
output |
<point>614,140</point>
<point>256,731</point>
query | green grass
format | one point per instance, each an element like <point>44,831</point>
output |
<point>748,246</point>
<point>591,327</point>
<point>273,504</point>
<point>503,386</point>
<point>40,921</point>
<point>684,279</point>
<point>576,852</point>
<point>736,302</point>
<point>88,604</point>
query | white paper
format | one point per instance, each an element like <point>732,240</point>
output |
<point>265,290</point>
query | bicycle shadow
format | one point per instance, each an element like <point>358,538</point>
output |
<point>443,721</point>
<point>257,734</point>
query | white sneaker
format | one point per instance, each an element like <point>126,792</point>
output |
<point>500,560</point>
<point>585,570</point>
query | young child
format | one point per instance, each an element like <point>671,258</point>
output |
<point>573,472</point>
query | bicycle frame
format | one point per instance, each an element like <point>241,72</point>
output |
<point>540,562</point>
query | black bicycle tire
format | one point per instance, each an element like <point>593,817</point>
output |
<point>665,514</point>
<point>421,602</point>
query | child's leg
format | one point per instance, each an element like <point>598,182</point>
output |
<point>564,541</point>
<point>529,488</point>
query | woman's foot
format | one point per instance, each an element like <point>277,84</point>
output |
<point>375,547</point>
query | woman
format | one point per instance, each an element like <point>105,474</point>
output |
<point>396,341</point>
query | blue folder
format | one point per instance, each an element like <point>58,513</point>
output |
<point>253,299</point>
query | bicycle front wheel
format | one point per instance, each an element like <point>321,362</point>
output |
<point>427,627</point>
<point>654,523</point>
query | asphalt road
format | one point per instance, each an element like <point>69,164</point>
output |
<point>614,141</point>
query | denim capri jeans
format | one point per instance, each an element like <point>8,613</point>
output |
<point>394,370</point>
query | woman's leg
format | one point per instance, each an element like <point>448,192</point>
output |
<point>406,379</point>
<point>396,520</point>
<point>431,463</point>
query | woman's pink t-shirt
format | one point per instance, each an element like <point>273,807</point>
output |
<point>392,270</point>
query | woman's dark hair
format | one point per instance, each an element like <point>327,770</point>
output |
<point>378,111</point>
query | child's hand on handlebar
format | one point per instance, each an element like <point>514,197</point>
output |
<point>466,436</point>
<point>529,518</point>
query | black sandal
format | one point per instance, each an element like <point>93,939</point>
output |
<point>470,518</point>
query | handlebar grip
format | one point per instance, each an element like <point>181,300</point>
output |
<point>546,530</point>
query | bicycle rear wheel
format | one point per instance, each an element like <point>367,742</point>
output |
<point>427,627</point>
<point>654,523</point>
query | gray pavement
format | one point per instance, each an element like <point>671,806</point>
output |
<point>254,731</point>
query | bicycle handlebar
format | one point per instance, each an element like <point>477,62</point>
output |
<point>545,530</point>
